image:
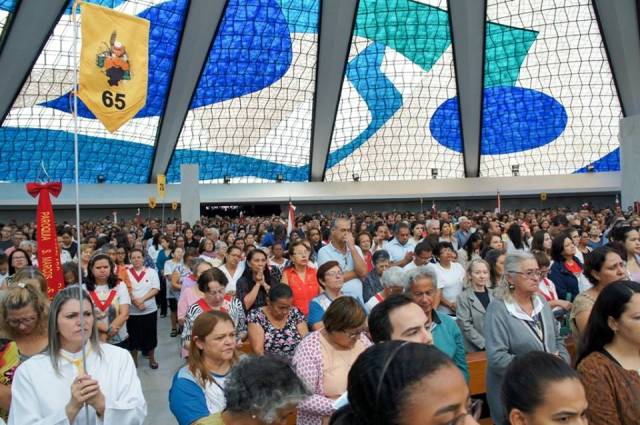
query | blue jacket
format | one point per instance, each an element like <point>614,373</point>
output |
<point>448,339</point>
<point>564,280</point>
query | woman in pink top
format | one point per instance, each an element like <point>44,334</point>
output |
<point>190,293</point>
<point>323,359</point>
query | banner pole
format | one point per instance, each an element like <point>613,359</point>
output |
<point>77,182</point>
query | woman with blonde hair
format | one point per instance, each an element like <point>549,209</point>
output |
<point>23,312</point>
<point>197,390</point>
<point>472,304</point>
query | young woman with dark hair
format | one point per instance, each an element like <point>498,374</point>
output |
<point>540,389</point>
<point>630,239</point>
<point>602,267</point>
<point>609,357</point>
<point>254,285</point>
<point>515,239</point>
<point>566,270</point>
<point>112,300</point>
<point>405,383</point>
<point>277,328</point>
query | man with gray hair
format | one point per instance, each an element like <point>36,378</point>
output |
<point>342,248</point>
<point>464,231</point>
<point>392,283</point>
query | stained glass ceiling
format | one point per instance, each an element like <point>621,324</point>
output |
<point>550,104</point>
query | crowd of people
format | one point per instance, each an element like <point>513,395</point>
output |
<point>363,318</point>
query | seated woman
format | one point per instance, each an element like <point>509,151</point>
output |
<point>602,267</point>
<point>277,328</point>
<point>53,388</point>
<point>450,275</point>
<point>540,388</point>
<point>421,284</point>
<point>547,289</point>
<point>261,391</point>
<point>197,390</point>
<point>323,359</point>
<point>111,297</point>
<point>470,250</point>
<point>392,283</point>
<point>212,284</point>
<point>301,277</point>
<point>330,279</point>
<point>372,283</point>
<point>566,270</point>
<point>517,322</point>
<point>405,383</point>
<point>23,312</point>
<point>252,288</point>
<point>609,357</point>
<point>472,305</point>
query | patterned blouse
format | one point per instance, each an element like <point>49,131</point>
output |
<point>279,342</point>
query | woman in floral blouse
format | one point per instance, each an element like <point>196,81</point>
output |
<point>278,327</point>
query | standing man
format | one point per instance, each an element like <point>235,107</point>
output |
<point>342,248</point>
<point>464,231</point>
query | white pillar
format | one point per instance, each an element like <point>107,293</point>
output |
<point>190,192</point>
<point>630,160</point>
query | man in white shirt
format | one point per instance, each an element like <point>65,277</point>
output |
<point>422,256</point>
<point>342,248</point>
<point>400,248</point>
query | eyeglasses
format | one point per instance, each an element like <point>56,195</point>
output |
<point>474,409</point>
<point>334,274</point>
<point>530,274</point>
<point>353,334</point>
<point>25,321</point>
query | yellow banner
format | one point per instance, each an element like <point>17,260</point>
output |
<point>162,185</point>
<point>113,64</point>
<point>152,202</point>
<point>174,205</point>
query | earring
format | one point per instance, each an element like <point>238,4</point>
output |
<point>511,287</point>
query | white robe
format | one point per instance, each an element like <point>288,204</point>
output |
<point>39,395</point>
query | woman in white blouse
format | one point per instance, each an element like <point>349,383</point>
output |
<point>55,389</point>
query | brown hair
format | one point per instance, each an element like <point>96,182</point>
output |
<point>344,313</point>
<point>20,295</point>
<point>33,276</point>
<point>203,326</point>
<point>323,269</point>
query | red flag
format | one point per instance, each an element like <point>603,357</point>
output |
<point>48,251</point>
<point>292,218</point>
<point>618,207</point>
<point>498,204</point>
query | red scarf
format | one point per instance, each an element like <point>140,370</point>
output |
<point>102,306</point>
<point>206,307</point>
<point>379,297</point>
<point>48,251</point>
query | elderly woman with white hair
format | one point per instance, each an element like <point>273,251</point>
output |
<point>392,283</point>
<point>421,284</point>
<point>472,304</point>
<point>518,321</point>
<point>55,387</point>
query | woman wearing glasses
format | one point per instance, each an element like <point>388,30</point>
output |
<point>517,321</point>
<point>330,278</point>
<point>406,383</point>
<point>323,359</point>
<point>23,314</point>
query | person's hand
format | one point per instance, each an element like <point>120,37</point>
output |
<point>113,330</point>
<point>453,306</point>
<point>83,388</point>
<point>565,304</point>
<point>97,401</point>
<point>139,304</point>
<point>349,240</point>
<point>408,256</point>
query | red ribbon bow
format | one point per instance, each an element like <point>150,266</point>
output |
<point>53,188</point>
<point>48,250</point>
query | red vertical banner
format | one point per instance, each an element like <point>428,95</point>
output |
<point>48,251</point>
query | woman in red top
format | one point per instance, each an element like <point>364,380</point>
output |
<point>301,277</point>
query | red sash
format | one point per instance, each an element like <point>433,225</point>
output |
<point>136,276</point>
<point>206,307</point>
<point>102,306</point>
<point>379,297</point>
